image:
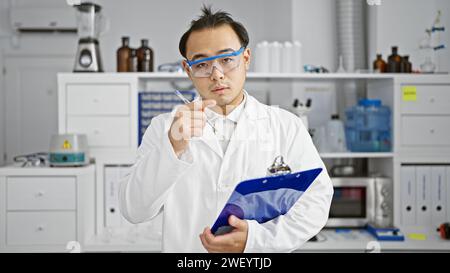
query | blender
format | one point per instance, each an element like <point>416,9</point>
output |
<point>89,26</point>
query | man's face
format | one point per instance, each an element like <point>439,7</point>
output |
<point>226,88</point>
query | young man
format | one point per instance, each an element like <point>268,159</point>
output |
<point>190,160</point>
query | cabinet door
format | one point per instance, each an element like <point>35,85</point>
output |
<point>31,96</point>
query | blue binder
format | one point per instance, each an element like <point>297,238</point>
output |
<point>264,199</point>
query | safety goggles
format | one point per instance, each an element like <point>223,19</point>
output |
<point>224,63</point>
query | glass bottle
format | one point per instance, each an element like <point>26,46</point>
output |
<point>132,61</point>
<point>379,65</point>
<point>405,66</point>
<point>394,61</point>
<point>145,57</point>
<point>123,54</point>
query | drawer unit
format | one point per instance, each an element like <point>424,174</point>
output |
<point>42,228</point>
<point>425,130</point>
<point>102,99</point>
<point>102,131</point>
<point>428,99</point>
<point>41,193</point>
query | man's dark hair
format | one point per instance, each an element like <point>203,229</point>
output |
<point>211,20</point>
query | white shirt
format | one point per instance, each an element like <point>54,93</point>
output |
<point>225,125</point>
<point>192,193</point>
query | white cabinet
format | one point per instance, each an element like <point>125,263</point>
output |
<point>46,208</point>
<point>103,109</point>
<point>423,130</point>
<point>40,228</point>
<point>41,193</point>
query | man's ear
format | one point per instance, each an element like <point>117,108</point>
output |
<point>247,54</point>
<point>186,68</point>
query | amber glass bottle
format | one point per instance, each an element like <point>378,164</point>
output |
<point>145,57</point>
<point>379,65</point>
<point>132,61</point>
<point>405,66</point>
<point>123,54</point>
<point>394,61</point>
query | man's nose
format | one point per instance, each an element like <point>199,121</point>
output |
<point>216,74</point>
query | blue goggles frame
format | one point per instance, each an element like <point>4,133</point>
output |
<point>236,53</point>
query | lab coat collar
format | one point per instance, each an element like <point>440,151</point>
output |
<point>253,111</point>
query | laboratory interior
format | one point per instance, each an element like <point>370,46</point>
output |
<point>80,82</point>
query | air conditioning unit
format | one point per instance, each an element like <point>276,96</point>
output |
<point>28,19</point>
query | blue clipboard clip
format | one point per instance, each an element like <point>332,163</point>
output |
<point>266,198</point>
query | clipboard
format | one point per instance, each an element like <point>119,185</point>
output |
<point>264,199</point>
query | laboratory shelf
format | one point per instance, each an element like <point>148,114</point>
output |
<point>357,155</point>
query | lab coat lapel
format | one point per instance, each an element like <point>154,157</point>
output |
<point>247,126</point>
<point>210,139</point>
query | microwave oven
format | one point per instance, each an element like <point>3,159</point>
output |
<point>358,201</point>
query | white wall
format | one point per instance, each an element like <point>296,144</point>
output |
<point>314,25</point>
<point>163,23</point>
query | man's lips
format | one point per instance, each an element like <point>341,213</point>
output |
<point>218,89</point>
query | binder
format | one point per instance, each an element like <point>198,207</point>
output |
<point>113,177</point>
<point>423,195</point>
<point>264,199</point>
<point>447,218</point>
<point>438,195</point>
<point>408,195</point>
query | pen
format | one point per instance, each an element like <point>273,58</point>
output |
<point>186,101</point>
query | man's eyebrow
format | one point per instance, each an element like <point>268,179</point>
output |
<point>202,55</point>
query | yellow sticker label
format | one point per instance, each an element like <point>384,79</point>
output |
<point>67,145</point>
<point>417,236</point>
<point>409,93</point>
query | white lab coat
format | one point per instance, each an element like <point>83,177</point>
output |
<point>192,191</point>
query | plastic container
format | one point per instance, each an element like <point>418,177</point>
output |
<point>368,127</point>
<point>335,135</point>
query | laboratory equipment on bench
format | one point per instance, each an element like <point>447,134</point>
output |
<point>444,231</point>
<point>90,25</point>
<point>301,110</point>
<point>335,135</point>
<point>32,160</point>
<point>69,150</point>
<point>432,44</point>
<point>263,199</point>
<point>368,127</point>
<point>385,233</point>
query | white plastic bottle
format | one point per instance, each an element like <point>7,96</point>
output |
<point>275,57</point>
<point>262,57</point>
<point>336,135</point>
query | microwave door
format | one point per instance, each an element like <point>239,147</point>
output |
<point>352,203</point>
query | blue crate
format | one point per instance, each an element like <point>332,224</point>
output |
<point>153,103</point>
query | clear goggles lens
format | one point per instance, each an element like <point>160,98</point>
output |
<point>224,63</point>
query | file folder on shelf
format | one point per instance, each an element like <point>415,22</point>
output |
<point>264,199</point>
<point>423,195</point>
<point>408,198</point>
<point>438,195</point>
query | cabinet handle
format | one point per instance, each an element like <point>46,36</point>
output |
<point>40,193</point>
<point>40,228</point>
<point>432,100</point>
<point>431,131</point>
